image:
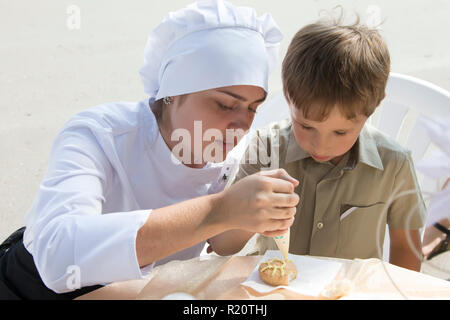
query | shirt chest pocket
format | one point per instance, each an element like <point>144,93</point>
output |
<point>361,231</point>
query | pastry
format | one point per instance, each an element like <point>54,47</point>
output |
<point>277,272</point>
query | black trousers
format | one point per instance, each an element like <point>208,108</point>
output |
<point>19,278</point>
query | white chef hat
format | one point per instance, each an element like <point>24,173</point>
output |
<point>209,44</point>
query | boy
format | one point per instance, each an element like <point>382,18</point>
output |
<point>351,175</point>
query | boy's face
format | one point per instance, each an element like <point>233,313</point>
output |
<point>326,140</point>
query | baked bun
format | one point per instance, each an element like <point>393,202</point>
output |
<point>276,272</point>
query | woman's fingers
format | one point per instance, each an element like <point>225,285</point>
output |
<point>261,203</point>
<point>283,200</point>
<point>283,213</point>
<point>277,225</point>
<point>280,174</point>
<point>282,224</point>
<point>280,185</point>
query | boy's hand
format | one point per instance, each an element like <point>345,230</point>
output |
<point>263,203</point>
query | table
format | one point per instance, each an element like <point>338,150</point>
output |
<point>213,277</point>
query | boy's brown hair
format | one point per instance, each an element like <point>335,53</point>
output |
<point>328,64</point>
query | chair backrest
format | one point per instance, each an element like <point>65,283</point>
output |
<point>407,99</point>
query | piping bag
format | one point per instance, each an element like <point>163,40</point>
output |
<point>283,243</point>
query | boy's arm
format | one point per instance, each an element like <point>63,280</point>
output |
<point>432,236</point>
<point>406,216</point>
<point>405,248</point>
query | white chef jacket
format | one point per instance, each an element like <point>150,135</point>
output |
<point>108,168</point>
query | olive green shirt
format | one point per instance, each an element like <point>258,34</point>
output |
<point>343,208</point>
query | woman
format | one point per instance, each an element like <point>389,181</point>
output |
<point>118,200</point>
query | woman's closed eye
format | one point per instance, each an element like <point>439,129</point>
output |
<point>226,108</point>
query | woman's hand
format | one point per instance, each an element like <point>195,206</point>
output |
<point>264,203</point>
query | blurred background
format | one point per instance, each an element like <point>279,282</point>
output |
<point>59,57</point>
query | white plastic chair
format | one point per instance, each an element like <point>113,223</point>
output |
<point>407,98</point>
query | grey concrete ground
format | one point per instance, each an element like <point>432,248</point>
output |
<point>50,71</point>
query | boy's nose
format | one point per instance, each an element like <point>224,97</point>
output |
<point>319,146</point>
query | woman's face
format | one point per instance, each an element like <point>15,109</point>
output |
<point>210,122</point>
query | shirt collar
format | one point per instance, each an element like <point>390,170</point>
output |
<point>367,149</point>
<point>364,150</point>
<point>293,151</point>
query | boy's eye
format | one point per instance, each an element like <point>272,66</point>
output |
<point>340,133</point>
<point>252,110</point>
<point>305,127</point>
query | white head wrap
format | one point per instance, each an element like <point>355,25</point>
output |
<point>209,44</point>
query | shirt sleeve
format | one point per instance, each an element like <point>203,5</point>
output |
<point>69,231</point>
<point>407,211</point>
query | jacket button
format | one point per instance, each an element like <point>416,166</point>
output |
<point>319,225</point>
